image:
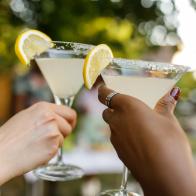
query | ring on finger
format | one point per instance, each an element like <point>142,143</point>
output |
<point>109,97</point>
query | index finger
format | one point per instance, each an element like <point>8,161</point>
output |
<point>103,92</point>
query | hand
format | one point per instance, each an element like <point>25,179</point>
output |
<point>151,143</point>
<point>32,137</point>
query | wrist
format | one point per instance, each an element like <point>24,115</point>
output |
<point>4,174</point>
<point>6,164</point>
<point>172,187</point>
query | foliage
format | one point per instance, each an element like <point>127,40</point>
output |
<point>111,22</point>
<point>8,33</point>
<point>187,84</point>
<point>114,22</point>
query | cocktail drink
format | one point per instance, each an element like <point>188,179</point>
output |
<point>147,81</point>
<point>62,66</point>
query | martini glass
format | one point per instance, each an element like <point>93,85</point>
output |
<point>62,66</point>
<point>147,81</point>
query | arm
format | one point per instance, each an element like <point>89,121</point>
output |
<point>32,137</point>
<point>152,144</point>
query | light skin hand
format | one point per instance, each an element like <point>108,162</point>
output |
<point>32,137</point>
<point>152,144</point>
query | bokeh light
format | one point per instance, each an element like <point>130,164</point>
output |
<point>166,22</point>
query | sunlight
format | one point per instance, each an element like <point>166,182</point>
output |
<point>187,31</point>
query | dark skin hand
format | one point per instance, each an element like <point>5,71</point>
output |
<point>151,143</point>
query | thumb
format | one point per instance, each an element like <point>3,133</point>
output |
<point>167,104</point>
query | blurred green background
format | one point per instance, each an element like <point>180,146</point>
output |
<point>141,29</point>
<point>124,25</point>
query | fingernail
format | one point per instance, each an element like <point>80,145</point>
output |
<point>175,93</point>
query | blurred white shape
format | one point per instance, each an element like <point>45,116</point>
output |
<point>186,17</point>
<point>172,39</point>
<point>187,33</point>
<point>91,187</point>
<point>17,5</point>
<point>194,75</point>
<point>115,1</point>
<point>171,21</point>
<point>148,27</point>
<point>24,10</point>
<point>158,35</point>
<point>166,7</point>
<point>93,162</point>
<point>134,186</point>
<point>167,21</point>
<point>147,3</point>
<point>141,28</point>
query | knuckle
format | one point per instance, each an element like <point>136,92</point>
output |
<point>52,130</point>
<point>164,103</point>
<point>47,115</point>
<point>171,100</point>
<point>44,119</point>
<point>41,105</point>
<point>167,101</point>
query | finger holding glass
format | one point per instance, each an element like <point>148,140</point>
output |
<point>152,144</point>
<point>32,137</point>
<point>146,81</point>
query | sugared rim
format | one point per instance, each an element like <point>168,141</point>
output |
<point>120,63</point>
<point>66,48</point>
<point>73,45</point>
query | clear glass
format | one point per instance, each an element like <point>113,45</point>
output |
<point>147,81</point>
<point>62,66</point>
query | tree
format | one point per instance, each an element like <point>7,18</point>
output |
<point>114,22</point>
<point>8,32</point>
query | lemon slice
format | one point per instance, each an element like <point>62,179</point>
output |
<point>96,60</point>
<point>31,43</point>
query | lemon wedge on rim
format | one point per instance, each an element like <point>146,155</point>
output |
<point>30,43</point>
<point>96,60</point>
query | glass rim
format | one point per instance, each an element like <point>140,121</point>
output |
<point>72,43</point>
<point>127,64</point>
<point>60,49</point>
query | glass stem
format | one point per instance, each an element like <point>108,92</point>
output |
<point>60,156</point>
<point>123,186</point>
<point>68,101</point>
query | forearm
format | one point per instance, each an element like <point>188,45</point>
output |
<point>4,174</point>
<point>179,192</point>
<point>172,186</point>
<point>6,164</point>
